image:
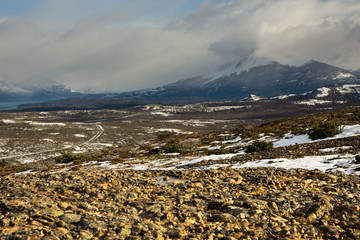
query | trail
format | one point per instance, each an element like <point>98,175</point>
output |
<point>93,138</point>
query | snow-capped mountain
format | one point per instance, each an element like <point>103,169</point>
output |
<point>265,79</point>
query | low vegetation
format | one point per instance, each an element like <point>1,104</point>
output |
<point>171,148</point>
<point>2,165</point>
<point>259,146</point>
<point>67,157</point>
<point>325,129</point>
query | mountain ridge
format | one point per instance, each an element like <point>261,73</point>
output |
<point>239,80</point>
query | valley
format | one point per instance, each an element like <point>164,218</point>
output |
<point>203,135</point>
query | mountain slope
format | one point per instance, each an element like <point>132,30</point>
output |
<point>272,79</point>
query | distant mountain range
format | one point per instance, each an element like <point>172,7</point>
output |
<point>231,82</point>
<point>32,93</point>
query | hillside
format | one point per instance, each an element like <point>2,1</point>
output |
<point>170,182</point>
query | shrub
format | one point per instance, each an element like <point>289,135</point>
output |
<point>2,163</point>
<point>171,148</point>
<point>325,129</point>
<point>259,146</point>
<point>247,133</point>
<point>298,130</point>
<point>165,136</point>
<point>252,134</point>
<point>154,151</point>
<point>188,145</point>
<point>21,169</point>
<point>67,157</point>
<point>217,151</point>
<point>2,169</point>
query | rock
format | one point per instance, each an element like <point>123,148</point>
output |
<point>138,228</point>
<point>97,227</point>
<point>126,231</point>
<point>255,203</point>
<point>218,204</point>
<point>51,212</point>
<point>222,217</point>
<point>84,235</point>
<point>156,208</point>
<point>5,222</point>
<point>88,207</point>
<point>71,218</point>
<point>214,204</point>
<point>60,231</point>
<point>175,233</point>
<point>331,230</point>
<point>238,212</point>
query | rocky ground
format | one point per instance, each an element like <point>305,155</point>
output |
<point>263,203</point>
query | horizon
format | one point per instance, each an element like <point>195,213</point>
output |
<point>119,46</point>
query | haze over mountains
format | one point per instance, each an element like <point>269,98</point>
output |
<point>234,81</point>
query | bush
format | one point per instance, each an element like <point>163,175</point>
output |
<point>2,163</point>
<point>252,134</point>
<point>67,157</point>
<point>247,133</point>
<point>325,129</point>
<point>217,151</point>
<point>21,169</point>
<point>2,169</point>
<point>171,148</point>
<point>259,146</point>
<point>154,151</point>
<point>298,130</point>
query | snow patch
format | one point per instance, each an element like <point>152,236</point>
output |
<point>45,124</point>
<point>312,102</point>
<point>348,88</point>
<point>342,75</point>
<point>254,97</point>
<point>284,96</point>
<point>80,135</point>
<point>323,92</point>
<point>8,121</point>
<point>290,139</point>
<point>323,163</point>
<point>161,113</point>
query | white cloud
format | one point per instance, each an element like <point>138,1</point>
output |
<point>118,53</point>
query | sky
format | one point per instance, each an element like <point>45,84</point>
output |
<point>123,45</point>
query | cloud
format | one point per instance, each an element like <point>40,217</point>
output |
<point>114,52</point>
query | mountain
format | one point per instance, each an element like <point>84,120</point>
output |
<point>35,92</point>
<point>9,92</point>
<point>321,99</point>
<point>234,81</point>
<point>272,79</point>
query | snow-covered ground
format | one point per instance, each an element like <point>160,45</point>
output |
<point>289,139</point>
<point>332,162</point>
<point>324,163</point>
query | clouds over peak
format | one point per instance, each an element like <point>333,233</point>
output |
<point>117,53</point>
